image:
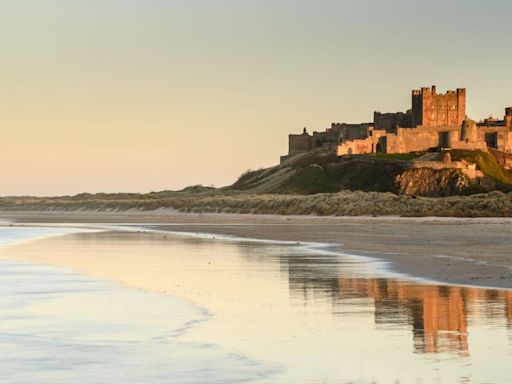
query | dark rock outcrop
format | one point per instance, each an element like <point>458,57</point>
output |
<point>432,182</point>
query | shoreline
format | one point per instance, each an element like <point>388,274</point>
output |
<point>60,298</point>
<point>379,263</point>
<point>285,301</point>
<point>469,252</point>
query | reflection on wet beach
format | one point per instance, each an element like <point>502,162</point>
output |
<point>438,314</point>
<point>311,316</point>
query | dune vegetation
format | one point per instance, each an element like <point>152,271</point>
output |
<point>345,203</point>
<point>317,184</point>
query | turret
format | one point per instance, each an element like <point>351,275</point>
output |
<point>468,132</point>
<point>508,117</point>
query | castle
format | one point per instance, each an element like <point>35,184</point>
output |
<point>435,121</point>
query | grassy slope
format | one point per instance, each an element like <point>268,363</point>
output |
<point>320,173</point>
<point>308,180</point>
<point>486,162</point>
<point>366,174</point>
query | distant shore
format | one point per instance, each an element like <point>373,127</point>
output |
<point>449,250</point>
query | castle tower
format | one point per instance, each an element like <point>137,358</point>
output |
<point>508,117</point>
<point>469,133</point>
<point>430,109</point>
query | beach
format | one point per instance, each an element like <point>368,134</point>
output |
<point>474,252</point>
<point>133,303</point>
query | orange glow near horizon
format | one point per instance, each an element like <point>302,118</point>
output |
<point>133,96</point>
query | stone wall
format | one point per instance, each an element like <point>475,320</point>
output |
<point>390,121</point>
<point>350,131</point>
<point>319,138</point>
<point>469,169</point>
<point>371,144</point>
<point>356,147</point>
<point>497,137</point>
<point>420,139</point>
<point>417,139</point>
<point>305,142</point>
<point>299,144</point>
<point>469,145</point>
<point>504,159</point>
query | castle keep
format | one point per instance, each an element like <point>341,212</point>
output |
<point>434,121</point>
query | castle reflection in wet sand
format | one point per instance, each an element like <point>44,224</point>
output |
<point>286,314</point>
<point>438,314</point>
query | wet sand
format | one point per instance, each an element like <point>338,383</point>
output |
<point>474,252</point>
<point>273,313</point>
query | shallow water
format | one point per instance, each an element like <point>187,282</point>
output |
<point>227,311</point>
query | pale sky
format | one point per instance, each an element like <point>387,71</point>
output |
<point>140,95</point>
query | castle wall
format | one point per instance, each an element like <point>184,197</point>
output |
<point>469,145</point>
<point>420,139</point>
<point>496,133</point>
<point>370,144</point>
<point>356,147</point>
<point>299,144</point>
<point>320,138</point>
<point>497,137</point>
<point>330,146</point>
<point>412,140</point>
<point>305,142</point>
<point>390,121</point>
<point>350,131</point>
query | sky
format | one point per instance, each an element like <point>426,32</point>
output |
<point>139,95</point>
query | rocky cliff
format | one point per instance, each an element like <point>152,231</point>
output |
<point>432,182</point>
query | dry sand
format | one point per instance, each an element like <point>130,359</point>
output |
<point>459,251</point>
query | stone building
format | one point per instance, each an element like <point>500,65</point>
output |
<point>433,121</point>
<point>430,109</point>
